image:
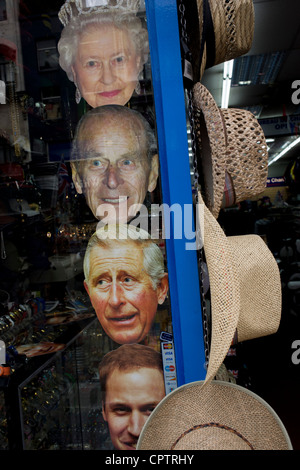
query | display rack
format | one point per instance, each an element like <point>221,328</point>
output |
<point>170,106</point>
<point>52,401</point>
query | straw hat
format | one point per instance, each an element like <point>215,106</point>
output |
<point>219,416</point>
<point>232,144</point>
<point>245,304</point>
<point>245,288</point>
<point>226,30</point>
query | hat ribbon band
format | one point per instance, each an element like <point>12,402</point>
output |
<point>229,198</point>
<point>209,425</point>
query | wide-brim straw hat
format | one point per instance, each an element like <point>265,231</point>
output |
<point>245,304</point>
<point>245,288</point>
<point>217,416</point>
<point>231,144</point>
<point>226,29</point>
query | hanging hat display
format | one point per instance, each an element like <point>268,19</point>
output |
<point>226,29</point>
<point>245,288</point>
<point>219,416</point>
<point>232,146</point>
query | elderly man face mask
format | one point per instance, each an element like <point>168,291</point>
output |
<point>115,169</point>
<point>122,292</point>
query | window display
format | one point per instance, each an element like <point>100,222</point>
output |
<point>120,280</point>
<point>79,171</point>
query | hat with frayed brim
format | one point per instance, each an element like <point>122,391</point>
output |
<point>217,416</point>
<point>245,288</point>
<point>231,144</point>
<point>226,29</point>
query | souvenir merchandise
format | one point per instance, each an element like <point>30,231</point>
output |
<point>115,38</point>
<point>67,300</point>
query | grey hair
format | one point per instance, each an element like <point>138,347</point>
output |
<point>133,119</point>
<point>68,43</point>
<point>110,234</point>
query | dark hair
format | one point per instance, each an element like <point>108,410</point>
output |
<point>126,358</point>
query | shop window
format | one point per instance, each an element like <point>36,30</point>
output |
<point>7,70</point>
<point>47,55</point>
<point>6,151</point>
<point>54,210</point>
<point>3,10</point>
<point>51,103</point>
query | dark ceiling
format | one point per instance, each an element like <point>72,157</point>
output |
<point>275,53</point>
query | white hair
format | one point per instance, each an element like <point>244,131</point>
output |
<point>68,43</point>
<point>132,119</point>
<point>110,234</point>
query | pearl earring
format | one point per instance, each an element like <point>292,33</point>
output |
<point>138,88</point>
<point>77,95</point>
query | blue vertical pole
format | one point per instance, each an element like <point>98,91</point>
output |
<point>170,112</point>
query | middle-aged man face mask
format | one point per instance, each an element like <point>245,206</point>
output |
<point>121,291</point>
<point>114,170</point>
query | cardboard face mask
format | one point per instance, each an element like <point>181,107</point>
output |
<point>112,162</point>
<point>132,385</point>
<point>124,295</point>
<point>108,46</point>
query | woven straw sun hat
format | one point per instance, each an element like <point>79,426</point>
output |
<point>245,304</point>
<point>245,288</point>
<point>219,416</point>
<point>226,29</point>
<point>232,145</point>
